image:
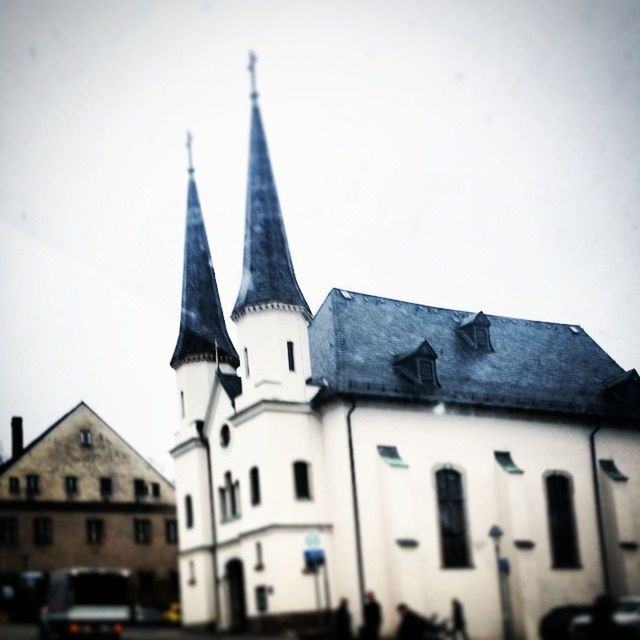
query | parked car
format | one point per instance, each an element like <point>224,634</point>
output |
<point>625,616</point>
<point>173,614</point>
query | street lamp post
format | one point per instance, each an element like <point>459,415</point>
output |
<point>502,566</point>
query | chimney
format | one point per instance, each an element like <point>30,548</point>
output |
<point>16,436</point>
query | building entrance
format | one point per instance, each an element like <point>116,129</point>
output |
<point>237,603</point>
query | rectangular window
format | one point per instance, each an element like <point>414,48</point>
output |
<point>14,486</point>
<point>246,361</point>
<point>182,403</point>
<point>292,363</point>
<point>155,489</point>
<point>106,487</point>
<point>71,485</point>
<point>254,482</point>
<point>8,532</point>
<point>171,531</point>
<point>42,531</point>
<point>188,511</point>
<point>95,531</point>
<point>86,440</point>
<point>33,484</point>
<point>142,531</point>
<point>259,563</point>
<point>140,488</point>
<point>301,480</point>
<point>222,497</point>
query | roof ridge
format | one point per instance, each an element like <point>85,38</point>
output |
<point>338,290</point>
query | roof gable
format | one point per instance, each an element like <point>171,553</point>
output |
<point>58,448</point>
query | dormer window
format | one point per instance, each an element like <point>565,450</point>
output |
<point>426,371</point>
<point>473,329</point>
<point>418,366</point>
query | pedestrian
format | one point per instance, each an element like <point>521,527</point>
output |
<point>343,621</point>
<point>457,617</point>
<point>412,626</point>
<point>372,617</point>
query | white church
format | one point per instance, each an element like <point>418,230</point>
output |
<point>422,453</point>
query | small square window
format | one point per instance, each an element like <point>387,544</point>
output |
<point>140,488</point>
<point>106,487</point>
<point>142,531</point>
<point>14,486</point>
<point>42,531</point>
<point>8,532</point>
<point>71,485</point>
<point>95,531</point>
<point>33,484</point>
<point>86,439</point>
<point>171,531</point>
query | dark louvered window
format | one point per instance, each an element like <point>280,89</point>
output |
<point>292,363</point>
<point>188,511</point>
<point>453,528</point>
<point>562,528</point>
<point>254,481</point>
<point>301,480</point>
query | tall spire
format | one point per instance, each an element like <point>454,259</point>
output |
<point>203,334</point>
<point>267,276</point>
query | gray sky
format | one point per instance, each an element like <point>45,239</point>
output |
<point>464,154</point>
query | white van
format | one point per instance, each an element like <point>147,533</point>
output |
<point>86,602</point>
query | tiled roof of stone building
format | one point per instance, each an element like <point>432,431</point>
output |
<point>203,334</point>
<point>267,274</point>
<point>356,340</point>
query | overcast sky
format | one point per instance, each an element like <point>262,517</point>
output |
<point>465,154</point>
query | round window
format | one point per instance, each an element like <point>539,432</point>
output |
<point>225,436</point>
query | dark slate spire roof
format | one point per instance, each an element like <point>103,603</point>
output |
<point>203,334</point>
<point>267,275</point>
<point>355,339</point>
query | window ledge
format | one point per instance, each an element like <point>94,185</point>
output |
<point>573,567</point>
<point>467,566</point>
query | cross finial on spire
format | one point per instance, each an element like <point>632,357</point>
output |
<point>252,72</point>
<point>188,145</point>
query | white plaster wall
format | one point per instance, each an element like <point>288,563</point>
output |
<point>195,381</point>
<point>196,592</point>
<point>426,441</point>
<point>264,333</point>
<point>621,506</point>
<point>272,441</point>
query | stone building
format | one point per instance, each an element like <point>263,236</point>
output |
<point>425,453</point>
<point>80,496</point>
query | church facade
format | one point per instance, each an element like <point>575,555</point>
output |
<point>417,452</point>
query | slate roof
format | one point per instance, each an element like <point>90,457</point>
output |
<point>202,323</point>
<point>355,339</point>
<point>267,274</point>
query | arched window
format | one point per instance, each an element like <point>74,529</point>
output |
<point>301,482</point>
<point>188,509</point>
<point>453,527</point>
<point>254,482</point>
<point>562,527</point>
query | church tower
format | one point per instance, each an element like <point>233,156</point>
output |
<point>271,313</point>
<point>203,344</point>
<point>203,348</point>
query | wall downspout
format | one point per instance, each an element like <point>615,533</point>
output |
<point>600,521</point>
<point>214,531</point>
<point>356,509</point>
